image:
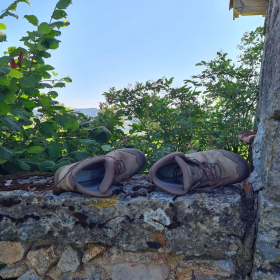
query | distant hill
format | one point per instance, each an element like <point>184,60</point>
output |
<point>91,112</point>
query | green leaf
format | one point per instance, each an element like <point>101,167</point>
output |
<point>62,163</point>
<point>80,155</point>
<point>88,142</point>
<point>45,85</point>
<point>51,43</point>
<point>59,24</point>
<point>11,123</point>
<point>63,4</point>
<point>53,94</point>
<point>15,74</point>
<point>4,70</point>
<point>23,165</point>
<point>5,14</point>
<point>106,148</point>
<point>22,114</point>
<point>6,154</point>
<point>45,67</point>
<point>44,101</point>
<point>58,14</point>
<point>47,127</point>
<point>46,165</point>
<point>61,120</point>
<point>4,108</point>
<point>44,28</point>
<point>2,97</point>
<point>10,98</point>
<point>4,81</point>
<point>34,150</point>
<point>30,81</point>
<point>67,80</point>
<point>71,125</point>
<point>1,162</point>
<point>3,26</point>
<point>60,85</point>
<point>32,19</point>
<point>55,151</point>
<point>40,47</point>
<point>5,59</point>
<point>3,37</point>
<point>31,35</point>
<point>52,34</point>
<point>28,103</point>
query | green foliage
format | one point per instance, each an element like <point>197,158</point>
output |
<point>36,132</point>
<point>206,113</point>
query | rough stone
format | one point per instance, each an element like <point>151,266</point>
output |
<point>140,272</point>
<point>145,257</point>
<point>266,149</point>
<point>194,224</point>
<point>201,268</point>
<point>30,275</point>
<point>88,272</point>
<point>55,272</point>
<point>42,259</point>
<point>157,219</point>
<point>92,251</point>
<point>69,260</point>
<point>11,252</point>
<point>11,271</point>
<point>266,276</point>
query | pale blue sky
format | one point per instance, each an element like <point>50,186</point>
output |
<point>116,42</point>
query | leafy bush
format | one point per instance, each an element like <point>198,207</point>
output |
<point>55,136</point>
<point>206,113</point>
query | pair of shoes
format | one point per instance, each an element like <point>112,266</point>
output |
<point>175,173</point>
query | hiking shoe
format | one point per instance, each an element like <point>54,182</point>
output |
<point>208,171</point>
<point>95,175</point>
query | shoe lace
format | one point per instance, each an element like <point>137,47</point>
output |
<point>210,173</point>
<point>119,167</point>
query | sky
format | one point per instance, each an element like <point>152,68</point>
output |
<point>113,43</point>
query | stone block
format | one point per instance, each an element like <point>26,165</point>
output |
<point>201,269</point>
<point>140,272</point>
<point>88,271</point>
<point>69,260</point>
<point>42,259</point>
<point>92,251</point>
<point>145,257</point>
<point>12,271</point>
<point>55,273</point>
<point>194,224</point>
<point>11,252</point>
<point>30,275</point>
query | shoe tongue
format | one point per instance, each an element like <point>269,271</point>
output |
<point>187,175</point>
<point>196,171</point>
<point>108,176</point>
<point>192,173</point>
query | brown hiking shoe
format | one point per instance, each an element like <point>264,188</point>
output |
<point>208,171</point>
<point>95,175</point>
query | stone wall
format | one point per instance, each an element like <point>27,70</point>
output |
<point>266,150</point>
<point>138,233</point>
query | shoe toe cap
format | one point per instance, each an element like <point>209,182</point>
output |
<point>242,166</point>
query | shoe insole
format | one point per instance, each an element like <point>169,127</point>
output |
<point>171,174</point>
<point>91,176</point>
